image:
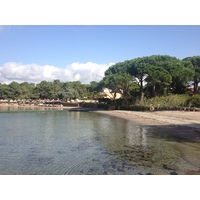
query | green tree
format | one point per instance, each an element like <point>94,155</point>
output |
<point>158,79</point>
<point>161,71</point>
<point>68,91</point>
<point>181,75</point>
<point>94,89</point>
<point>118,79</point>
<point>4,91</point>
<point>44,90</point>
<point>138,69</point>
<point>14,90</point>
<point>195,62</point>
<point>27,90</point>
<point>57,89</point>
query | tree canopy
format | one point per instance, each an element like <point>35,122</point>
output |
<point>147,76</point>
<point>195,66</point>
<point>155,75</point>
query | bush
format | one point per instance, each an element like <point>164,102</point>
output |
<point>194,101</point>
<point>165,101</point>
<point>103,106</point>
<point>105,100</point>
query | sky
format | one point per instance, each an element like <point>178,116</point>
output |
<point>34,53</point>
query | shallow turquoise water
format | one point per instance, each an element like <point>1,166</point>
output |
<point>64,142</point>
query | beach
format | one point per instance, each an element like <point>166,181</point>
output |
<point>183,123</point>
<point>184,118</point>
<point>181,129</point>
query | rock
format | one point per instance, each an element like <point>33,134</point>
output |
<point>114,166</point>
<point>173,173</point>
<point>166,167</point>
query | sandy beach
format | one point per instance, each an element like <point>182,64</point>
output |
<point>182,126</point>
<point>183,123</point>
<point>184,118</point>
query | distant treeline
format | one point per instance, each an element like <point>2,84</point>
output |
<point>45,90</point>
<point>139,78</point>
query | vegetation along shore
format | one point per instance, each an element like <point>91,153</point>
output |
<point>157,82</point>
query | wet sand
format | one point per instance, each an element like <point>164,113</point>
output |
<point>184,118</point>
<point>181,129</point>
<point>184,123</point>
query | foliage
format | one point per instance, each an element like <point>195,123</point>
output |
<point>194,101</point>
<point>156,80</point>
<point>194,63</point>
<point>166,101</point>
<point>44,90</point>
<point>171,102</point>
<point>118,80</point>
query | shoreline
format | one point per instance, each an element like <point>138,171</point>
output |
<point>32,107</point>
<point>185,118</point>
<point>180,129</point>
<point>183,124</point>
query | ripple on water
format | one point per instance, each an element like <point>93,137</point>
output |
<point>61,142</point>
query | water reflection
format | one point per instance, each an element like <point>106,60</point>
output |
<point>63,142</point>
<point>116,134</point>
<point>26,108</point>
<point>138,138</point>
<point>135,147</point>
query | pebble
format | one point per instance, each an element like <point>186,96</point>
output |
<point>114,166</point>
<point>173,173</point>
<point>120,169</point>
<point>165,167</point>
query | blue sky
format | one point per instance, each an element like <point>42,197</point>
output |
<point>33,53</point>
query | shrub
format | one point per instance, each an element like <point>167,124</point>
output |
<point>194,101</point>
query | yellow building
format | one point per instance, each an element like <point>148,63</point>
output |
<point>110,95</point>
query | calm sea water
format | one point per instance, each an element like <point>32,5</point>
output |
<point>64,142</point>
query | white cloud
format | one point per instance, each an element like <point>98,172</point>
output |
<point>33,73</point>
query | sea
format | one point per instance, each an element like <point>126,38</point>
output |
<point>63,142</point>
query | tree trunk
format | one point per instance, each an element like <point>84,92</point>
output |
<point>141,90</point>
<point>195,85</point>
<point>142,96</point>
<point>154,91</point>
